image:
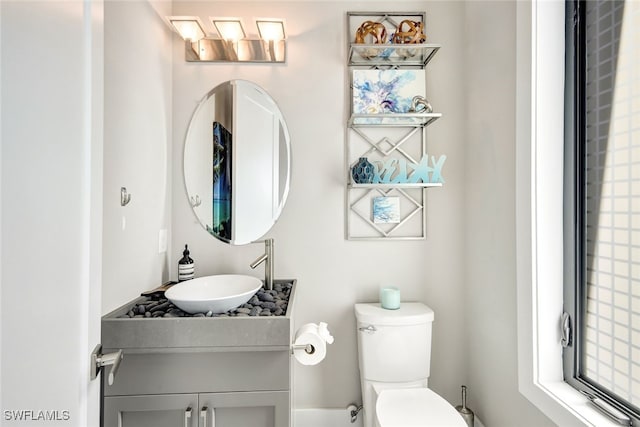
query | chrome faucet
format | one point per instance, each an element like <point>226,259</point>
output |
<point>267,257</point>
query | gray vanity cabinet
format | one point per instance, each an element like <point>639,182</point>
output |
<point>200,388</point>
<point>264,409</point>
<point>240,409</point>
<point>169,410</point>
<point>199,372</point>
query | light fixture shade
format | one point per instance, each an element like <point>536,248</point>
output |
<point>271,29</point>
<point>229,28</point>
<point>189,27</point>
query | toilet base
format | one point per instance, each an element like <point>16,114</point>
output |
<point>370,391</point>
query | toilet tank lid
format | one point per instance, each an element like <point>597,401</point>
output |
<point>409,313</point>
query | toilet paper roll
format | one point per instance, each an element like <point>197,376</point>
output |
<point>308,335</point>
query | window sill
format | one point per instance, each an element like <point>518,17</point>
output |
<point>565,406</point>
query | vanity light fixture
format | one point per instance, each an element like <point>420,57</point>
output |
<point>272,32</point>
<point>232,43</point>
<point>189,27</point>
<point>229,29</point>
<point>271,29</point>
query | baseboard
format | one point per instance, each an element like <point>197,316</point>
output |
<point>332,417</point>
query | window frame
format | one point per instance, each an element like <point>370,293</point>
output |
<point>575,203</point>
<point>539,135</point>
<point>575,115</point>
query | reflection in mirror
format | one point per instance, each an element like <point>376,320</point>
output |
<point>237,162</point>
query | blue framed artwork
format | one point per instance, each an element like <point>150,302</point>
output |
<point>221,180</point>
<point>386,91</point>
<point>386,210</point>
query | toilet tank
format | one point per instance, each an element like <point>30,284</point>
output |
<point>394,345</point>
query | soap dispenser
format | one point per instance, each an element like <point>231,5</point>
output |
<point>186,266</point>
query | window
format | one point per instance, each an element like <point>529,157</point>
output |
<point>602,201</point>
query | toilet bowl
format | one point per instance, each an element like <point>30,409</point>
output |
<point>394,355</point>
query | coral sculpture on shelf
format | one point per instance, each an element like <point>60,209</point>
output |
<point>402,171</point>
<point>410,32</point>
<point>374,29</point>
<point>374,32</point>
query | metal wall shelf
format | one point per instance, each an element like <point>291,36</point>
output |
<point>393,119</point>
<point>392,55</point>
<point>385,136</point>
<point>401,185</point>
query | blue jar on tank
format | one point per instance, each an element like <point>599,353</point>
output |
<point>362,172</point>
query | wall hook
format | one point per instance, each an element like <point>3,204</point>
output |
<point>125,197</point>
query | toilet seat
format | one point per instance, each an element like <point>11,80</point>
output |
<point>415,407</point>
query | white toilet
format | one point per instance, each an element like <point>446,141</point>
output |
<point>394,355</point>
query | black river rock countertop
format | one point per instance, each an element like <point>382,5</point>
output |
<point>152,322</point>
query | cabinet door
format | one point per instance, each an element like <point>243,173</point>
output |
<point>242,409</point>
<point>170,410</point>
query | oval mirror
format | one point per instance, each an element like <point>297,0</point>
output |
<point>237,162</point>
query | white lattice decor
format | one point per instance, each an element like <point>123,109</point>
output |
<point>379,145</point>
<point>387,132</point>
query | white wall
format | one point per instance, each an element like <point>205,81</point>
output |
<point>138,116</point>
<point>333,274</point>
<point>490,280</point>
<point>465,269</point>
<point>51,175</point>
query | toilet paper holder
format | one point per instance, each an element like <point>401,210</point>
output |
<point>313,345</point>
<point>308,348</point>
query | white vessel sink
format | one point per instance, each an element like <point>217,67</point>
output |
<point>217,294</point>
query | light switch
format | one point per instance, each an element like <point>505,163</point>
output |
<point>162,241</point>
